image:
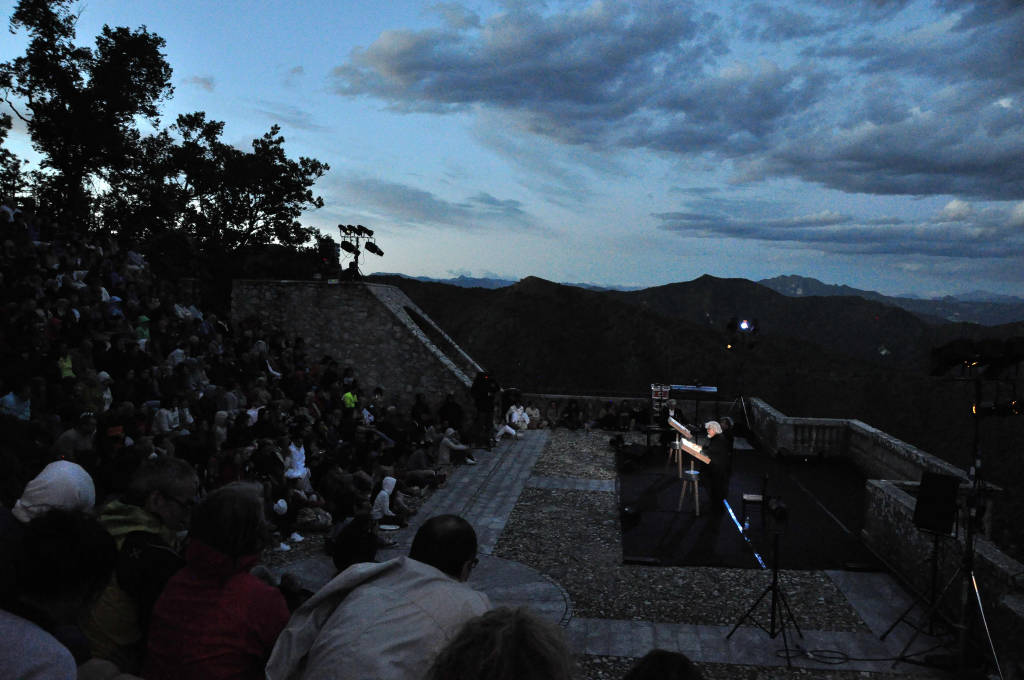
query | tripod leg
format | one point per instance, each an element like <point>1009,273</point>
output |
<point>932,610</point>
<point>782,625</point>
<point>789,612</point>
<point>749,611</point>
<point>984,623</point>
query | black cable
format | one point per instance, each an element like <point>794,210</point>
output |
<point>836,657</point>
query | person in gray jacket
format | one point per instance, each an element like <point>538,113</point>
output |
<point>385,620</point>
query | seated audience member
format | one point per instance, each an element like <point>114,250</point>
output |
<point>18,402</point>
<point>659,664</point>
<point>450,413</point>
<point>78,443</point>
<point>551,415</point>
<point>62,484</point>
<point>386,620</point>
<point>65,558</point>
<point>145,526</point>
<point>505,429</point>
<point>172,418</point>
<point>215,619</point>
<point>381,512</point>
<point>450,442</point>
<point>534,414</point>
<point>505,644</point>
<point>353,541</point>
<point>516,417</point>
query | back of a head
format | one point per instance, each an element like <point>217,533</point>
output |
<point>231,520</point>
<point>61,484</point>
<point>164,474</point>
<point>660,664</point>
<point>445,542</point>
<point>66,555</point>
<point>505,644</point>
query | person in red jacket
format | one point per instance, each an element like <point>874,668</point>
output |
<point>215,619</point>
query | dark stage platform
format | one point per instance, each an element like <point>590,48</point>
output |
<point>823,499</point>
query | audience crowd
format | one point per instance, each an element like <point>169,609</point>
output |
<point>152,451</point>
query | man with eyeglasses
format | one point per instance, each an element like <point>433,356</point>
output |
<point>386,620</point>
<point>146,524</point>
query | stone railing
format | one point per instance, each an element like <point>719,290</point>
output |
<point>877,454</point>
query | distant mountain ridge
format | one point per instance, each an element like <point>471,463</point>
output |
<point>987,309</point>
<point>463,281</point>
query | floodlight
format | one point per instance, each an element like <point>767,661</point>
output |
<point>348,247</point>
<point>372,247</point>
<point>364,230</point>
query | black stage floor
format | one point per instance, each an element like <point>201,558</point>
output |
<point>824,501</point>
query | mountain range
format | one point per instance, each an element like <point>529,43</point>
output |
<point>980,307</point>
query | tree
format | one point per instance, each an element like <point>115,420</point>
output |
<point>80,104</point>
<point>234,199</point>
<point>12,179</point>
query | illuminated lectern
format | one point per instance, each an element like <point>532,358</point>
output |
<point>691,478</point>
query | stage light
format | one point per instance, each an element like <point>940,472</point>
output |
<point>348,247</point>
<point>372,247</point>
<point>364,231</point>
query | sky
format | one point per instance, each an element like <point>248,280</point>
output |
<point>873,143</point>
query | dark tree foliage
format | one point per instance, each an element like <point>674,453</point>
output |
<point>234,199</point>
<point>80,104</point>
<point>12,178</point>
<point>81,107</point>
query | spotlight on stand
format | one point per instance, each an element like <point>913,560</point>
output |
<point>737,328</point>
<point>348,247</point>
<point>372,247</point>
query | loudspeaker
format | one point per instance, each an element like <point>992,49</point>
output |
<point>936,503</point>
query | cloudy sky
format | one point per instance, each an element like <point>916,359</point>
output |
<point>876,143</point>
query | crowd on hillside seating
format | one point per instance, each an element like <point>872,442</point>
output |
<point>127,411</point>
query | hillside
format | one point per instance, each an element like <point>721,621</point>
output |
<point>985,309</point>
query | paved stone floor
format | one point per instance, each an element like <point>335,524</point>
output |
<point>485,494</point>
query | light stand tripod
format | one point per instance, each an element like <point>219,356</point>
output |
<point>975,360</point>
<point>780,610</point>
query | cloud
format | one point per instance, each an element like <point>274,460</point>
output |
<point>202,82</point>
<point>289,116</point>
<point>412,206</point>
<point>1017,216</point>
<point>455,15</point>
<point>897,97</point>
<point>955,211</point>
<point>293,75</point>
<point>958,231</point>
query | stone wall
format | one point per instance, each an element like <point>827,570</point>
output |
<point>368,326</point>
<point>890,533</point>
<point>877,454</point>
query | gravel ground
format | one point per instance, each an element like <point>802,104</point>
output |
<point>574,537</point>
<point>614,667</point>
